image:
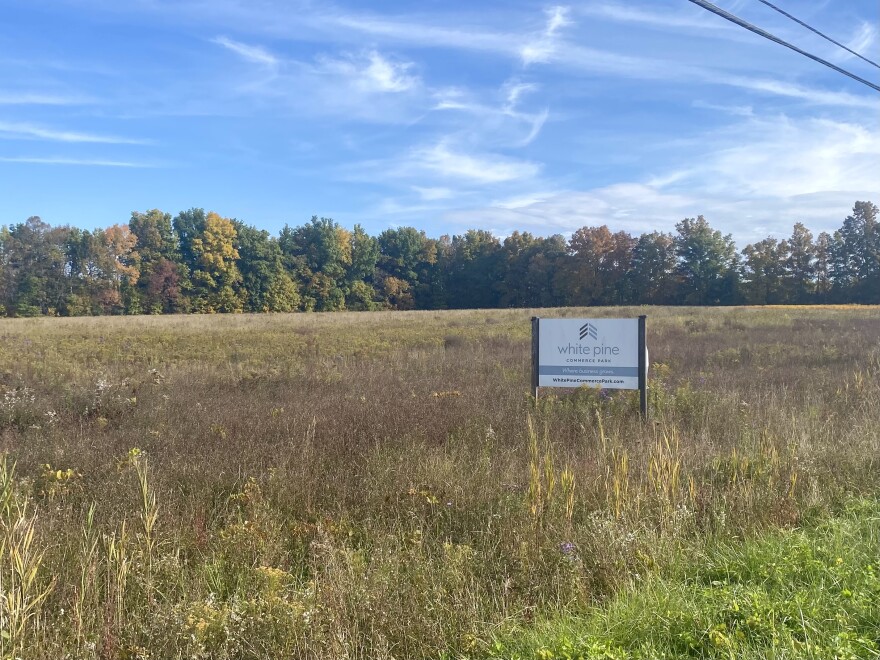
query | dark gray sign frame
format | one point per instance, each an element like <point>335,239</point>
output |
<point>643,362</point>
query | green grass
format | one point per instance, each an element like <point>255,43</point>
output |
<point>812,592</point>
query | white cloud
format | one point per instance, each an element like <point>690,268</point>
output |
<point>39,98</point>
<point>736,110</point>
<point>783,157</point>
<point>367,86</point>
<point>15,130</point>
<point>630,207</point>
<point>432,194</point>
<point>72,161</point>
<point>864,40</point>
<point>447,162</point>
<point>387,76</point>
<point>500,120</point>
<point>808,94</point>
<point>430,170</point>
<point>371,72</point>
<point>538,122</point>
<point>592,60</point>
<point>667,19</point>
<point>253,54</point>
<point>514,91</point>
<point>425,35</point>
<point>544,48</point>
<point>756,177</point>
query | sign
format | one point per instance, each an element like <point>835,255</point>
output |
<point>603,353</point>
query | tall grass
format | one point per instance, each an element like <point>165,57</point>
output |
<point>382,485</point>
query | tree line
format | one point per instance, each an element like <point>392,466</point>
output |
<point>203,262</point>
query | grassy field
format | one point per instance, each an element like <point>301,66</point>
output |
<point>381,485</point>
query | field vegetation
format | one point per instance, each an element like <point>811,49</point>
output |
<point>381,485</point>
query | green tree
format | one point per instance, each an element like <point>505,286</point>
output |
<point>514,287</point>
<point>472,274</point>
<point>823,266</point>
<point>764,272</point>
<point>707,264</point>
<point>856,255</point>
<point>408,255</point>
<point>188,225</point>
<point>35,269</point>
<point>159,286</point>
<point>526,267</point>
<point>360,291</point>
<point>319,254</point>
<point>800,266</point>
<point>266,283</point>
<point>652,274</point>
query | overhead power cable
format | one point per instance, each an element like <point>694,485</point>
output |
<point>824,36</point>
<point>753,28</point>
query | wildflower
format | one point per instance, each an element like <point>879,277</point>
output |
<point>568,549</point>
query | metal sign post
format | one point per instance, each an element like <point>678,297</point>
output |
<point>643,370</point>
<point>535,343</point>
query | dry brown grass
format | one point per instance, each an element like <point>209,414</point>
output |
<point>358,485</point>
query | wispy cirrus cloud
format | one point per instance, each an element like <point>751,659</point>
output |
<point>23,130</point>
<point>433,169</point>
<point>811,95</point>
<point>42,98</point>
<point>447,161</point>
<point>794,157</point>
<point>433,194</point>
<point>366,85</point>
<point>595,61</point>
<point>544,48</point>
<point>735,110</point>
<point>371,72</point>
<point>502,119</point>
<point>811,170</point>
<point>248,52</point>
<point>632,207</point>
<point>683,19</point>
<point>863,41</point>
<point>83,162</point>
<point>425,34</point>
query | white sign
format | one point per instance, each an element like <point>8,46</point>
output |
<point>594,352</point>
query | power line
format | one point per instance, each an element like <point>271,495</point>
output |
<point>752,28</point>
<point>824,36</point>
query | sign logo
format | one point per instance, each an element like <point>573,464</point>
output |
<point>589,330</point>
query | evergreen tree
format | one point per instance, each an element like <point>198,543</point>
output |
<point>707,264</point>
<point>652,275</point>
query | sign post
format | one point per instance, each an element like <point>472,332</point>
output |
<point>536,329</point>
<point>643,369</point>
<point>605,353</point>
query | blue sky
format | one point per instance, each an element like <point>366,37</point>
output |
<point>440,115</point>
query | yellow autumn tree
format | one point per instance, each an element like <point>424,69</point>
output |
<point>217,279</point>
